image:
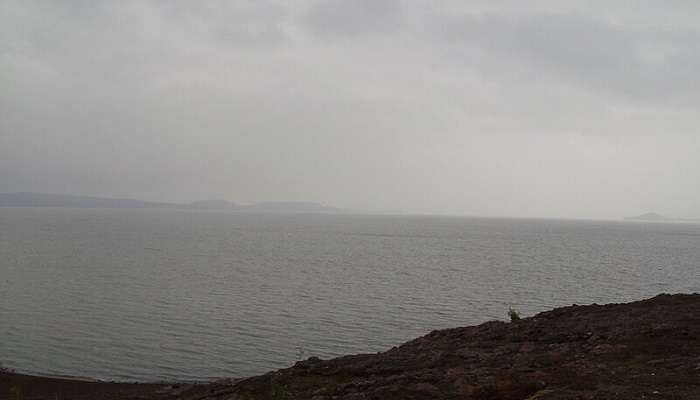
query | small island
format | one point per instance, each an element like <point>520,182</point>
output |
<point>655,217</point>
<point>650,217</point>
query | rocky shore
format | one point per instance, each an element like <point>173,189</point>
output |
<point>643,350</point>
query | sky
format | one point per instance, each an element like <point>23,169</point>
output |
<point>575,109</point>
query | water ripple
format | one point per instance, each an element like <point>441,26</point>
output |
<point>176,295</point>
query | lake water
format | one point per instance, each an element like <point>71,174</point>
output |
<point>185,295</point>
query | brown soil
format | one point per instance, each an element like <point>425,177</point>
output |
<point>643,350</point>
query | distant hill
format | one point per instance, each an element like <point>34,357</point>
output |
<point>27,199</point>
<point>654,217</point>
<point>650,217</point>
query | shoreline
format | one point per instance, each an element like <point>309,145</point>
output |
<point>86,379</point>
<point>19,385</point>
<point>44,387</point>
<point>644,349</point>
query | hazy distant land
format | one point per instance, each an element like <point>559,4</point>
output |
<point>27,199</point>
<point>651,216</point>
<point>655,217</point>
<point>33,199</point>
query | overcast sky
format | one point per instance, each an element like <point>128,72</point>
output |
<point>586,109</point>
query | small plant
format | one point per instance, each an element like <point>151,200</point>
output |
<point>513,315</point>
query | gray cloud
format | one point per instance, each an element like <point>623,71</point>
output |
<point>353,17</point>
<point>560,108</point>
<point>638,64</point>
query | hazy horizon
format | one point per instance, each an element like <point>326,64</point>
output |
<point>329,208</point>
<point>554,109</point>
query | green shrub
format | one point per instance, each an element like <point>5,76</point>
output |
<point>513,315</point>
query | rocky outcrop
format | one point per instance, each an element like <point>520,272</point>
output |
<point>643,350</point>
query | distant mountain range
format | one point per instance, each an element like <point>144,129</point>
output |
<point>27,199</point>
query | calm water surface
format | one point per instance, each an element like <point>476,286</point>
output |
<point>166,294</point>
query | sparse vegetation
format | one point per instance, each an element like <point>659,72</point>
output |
<point>513,315</point>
